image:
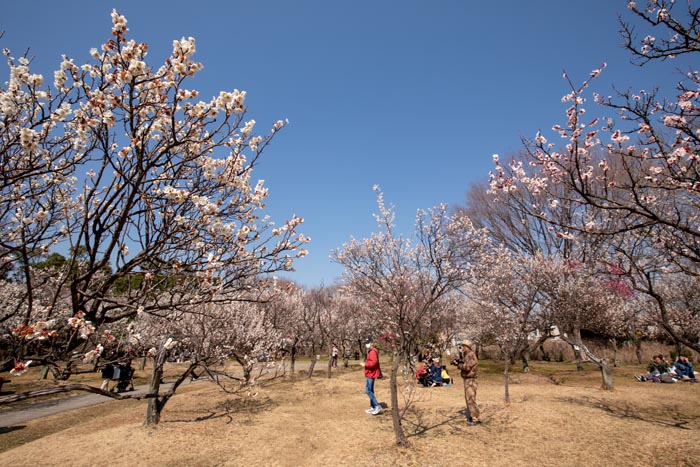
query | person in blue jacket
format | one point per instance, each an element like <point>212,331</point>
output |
<point>436,373</point>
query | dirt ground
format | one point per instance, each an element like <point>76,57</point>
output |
<point>557,416</point>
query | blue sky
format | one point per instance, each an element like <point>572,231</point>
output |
<point>412,95</point>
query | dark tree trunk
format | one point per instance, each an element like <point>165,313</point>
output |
<point>312,364</point>
<point>638,351</point>
<point>545,355</point>
<point>293,358</point>
<point>247,370</point>
<point>526,359</point>
<point>154,407</point>
<point>505,380</point>
<point>156,400</point>
<point>679,349</point>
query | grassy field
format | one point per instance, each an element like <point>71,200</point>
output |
<point>557,417</point>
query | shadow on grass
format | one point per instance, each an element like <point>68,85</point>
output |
<point>9,429</point>
<point>450,422</point>
<point>417,425</point>
<point>667,417</point>
<point>231,409</point>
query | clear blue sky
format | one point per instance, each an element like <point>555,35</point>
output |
<point>413,95</point>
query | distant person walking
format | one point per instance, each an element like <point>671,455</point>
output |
<point>334,357</point>
<point>468,366</point>
<point>372,372</point>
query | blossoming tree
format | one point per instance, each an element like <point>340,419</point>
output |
<point>148,188</point>
<point>633,178</point>
<point>575,298</point>
<point>405,285</point>
<point>207,339</point>
<point>504,306</point>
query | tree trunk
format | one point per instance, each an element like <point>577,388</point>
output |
<point>292,359</point>
<point>603,363</point>
<point>577,349</point>
<point>545,355</point>
<point>525,356</point>
<point>330,362</point>
<point>607,373</point>
<point>395,415</point>
<point>613,344</point>
<point>7,364</point>
<point>679,349</point>
<point>155,406</point>
<point>638,350</point>
<point>247,370</point>
<point>312,364</point>
<point>505,379</point>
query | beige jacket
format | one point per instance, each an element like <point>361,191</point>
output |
<point>469,368</point>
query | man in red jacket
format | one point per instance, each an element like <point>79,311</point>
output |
<point>372,372</point>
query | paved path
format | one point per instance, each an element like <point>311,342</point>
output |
<point>29,412</point>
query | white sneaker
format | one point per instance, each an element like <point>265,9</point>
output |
<point>370,410</point>
<point>377,410</point>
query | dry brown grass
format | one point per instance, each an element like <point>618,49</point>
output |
<point>558,416</point>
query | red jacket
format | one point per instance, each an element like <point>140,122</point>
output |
<point>372,364</point>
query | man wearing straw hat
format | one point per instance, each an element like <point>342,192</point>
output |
<point>468,366</point>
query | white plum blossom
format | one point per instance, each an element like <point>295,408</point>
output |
<point>138,196</point>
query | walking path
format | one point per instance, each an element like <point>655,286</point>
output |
<point>30,412</point>
<point>24,414</point>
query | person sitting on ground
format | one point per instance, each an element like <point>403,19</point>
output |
<point>655,370</point>
<point>436,373</point>
<point>422,375</point>
<point>445,376</point>
<point>684,369</point>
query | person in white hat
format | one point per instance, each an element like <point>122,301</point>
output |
<point>372,372</point>
<point>468,368</point>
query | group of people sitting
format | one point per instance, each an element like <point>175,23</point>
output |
<point>659,371</point>
<point>433,375</point>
